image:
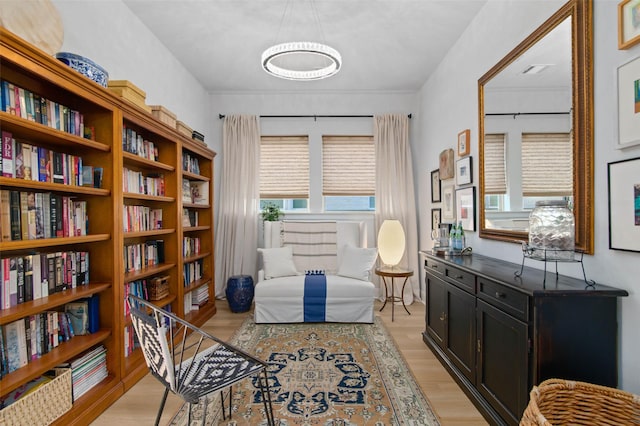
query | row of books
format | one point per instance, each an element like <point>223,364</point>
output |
<point>139,256</point>
<point>31,106</point>
<point>136,182</point>
<point>190,163</point>
<point>23,160</point>
<point>137,288</point>
<point>29,338</point>
<point>190,246</point>
<point>189,217</point>
<point>29,215</point>
<point>34,276</point>
<point>87,370</point>
<point>195,192</point>
<point>135,143</point>
<point>141,218</point>
<point>195,299</point>
<point>192,272</point>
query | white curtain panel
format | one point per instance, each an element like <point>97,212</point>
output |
<point>239,199</point>
<point>395,197</point>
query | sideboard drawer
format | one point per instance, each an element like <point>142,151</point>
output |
<point>434,266</point>
<point>460,278</point>
<point>502,297</point>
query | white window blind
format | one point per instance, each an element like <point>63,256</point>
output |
<point>547,164</point>
<point>348,166</point>
<point>284,167</point>
<point>495,172</point>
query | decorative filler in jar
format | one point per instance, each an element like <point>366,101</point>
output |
<point>552,231</point>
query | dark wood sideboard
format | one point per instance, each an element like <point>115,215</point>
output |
<point>498,335</point>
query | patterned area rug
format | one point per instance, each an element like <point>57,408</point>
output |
<point>322,374</point>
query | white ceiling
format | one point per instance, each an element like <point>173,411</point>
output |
<point>386,45</point>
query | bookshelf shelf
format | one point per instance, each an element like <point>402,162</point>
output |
<point>195,206</point>
<point>66,350</point>
<point>200,315</point>
<point>41,133</point>
<point>152,233</point>
<point>147,272</point>
<point>196,228</point>
<point>6,182</point>
<point>158,198</point>
<point>195,176</point>
<point>198,283</point>
<point>196,257</point>
<point>130,158</point>
<point>47,303</point>
<point>51,242</point>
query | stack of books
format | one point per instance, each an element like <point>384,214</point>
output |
<point>88,370</point>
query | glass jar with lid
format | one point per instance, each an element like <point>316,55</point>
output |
<point>552,230</point>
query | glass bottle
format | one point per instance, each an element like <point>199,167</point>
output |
<point>461,243</point>
<point>552,230</point>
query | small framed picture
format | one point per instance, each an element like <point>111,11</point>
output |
<point>628,23</point>
<point>464,145</point>
<point>436,194</point>
<point>435,218</point>
<point>629,103</point>
<point>466,207</point>
<point>464,171</point>
<point>446,164</point>
<point>624,204</point>
<point>448,204</point>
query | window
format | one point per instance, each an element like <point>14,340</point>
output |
<point>547,164</point>
<point>284,171</point>
<point>495,171</point>
<point>348,173</point>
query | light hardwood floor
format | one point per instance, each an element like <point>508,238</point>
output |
<point>140,404</point>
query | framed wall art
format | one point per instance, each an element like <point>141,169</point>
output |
<point>464,171</point>
<point>466,207</point>
<point>446,164</point>
<point>436,215</point>
<point>629,103</point>
<point>628,23</point>
<point>624,204</point>
<point>448,204</point>
<point>464,144</point>
<point>436,194</point>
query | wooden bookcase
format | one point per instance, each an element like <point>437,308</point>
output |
<point>108,116</point>
<point>201,229</point>
<point>29,68</point>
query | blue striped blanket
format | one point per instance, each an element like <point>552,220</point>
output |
<point>315,296</point>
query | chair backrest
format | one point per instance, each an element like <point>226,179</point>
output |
<point>152,335</point>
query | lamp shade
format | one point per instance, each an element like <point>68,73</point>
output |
<point>391,242</point>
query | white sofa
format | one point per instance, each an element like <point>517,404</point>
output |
<point>280,290</point>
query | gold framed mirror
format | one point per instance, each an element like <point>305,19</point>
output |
<point>541,90</point>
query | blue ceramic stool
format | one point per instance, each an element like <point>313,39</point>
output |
<point>240,293</point>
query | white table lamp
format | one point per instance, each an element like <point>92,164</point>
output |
<point>391,242</point>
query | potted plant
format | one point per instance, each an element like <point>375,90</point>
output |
<point>271,213</point>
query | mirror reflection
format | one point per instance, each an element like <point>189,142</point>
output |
<point>528,144</point>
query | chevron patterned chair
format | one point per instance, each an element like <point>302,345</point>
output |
<point>190,362</point>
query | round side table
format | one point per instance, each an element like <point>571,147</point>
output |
<point>395,272</point>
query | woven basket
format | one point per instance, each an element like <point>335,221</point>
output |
<point>564,402</point>
<point>42,406</point>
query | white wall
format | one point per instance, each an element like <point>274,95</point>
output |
<point>449,104</point>
<point>109,34</point>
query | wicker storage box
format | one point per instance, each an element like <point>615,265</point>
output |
<point>130,92</point>
<point>164,115</point>
<point>564,402</point>
<point>158,288</point>
<point>44,405</point>
<point>184,129</point>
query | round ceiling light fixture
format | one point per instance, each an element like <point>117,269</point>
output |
<point>301,60</point>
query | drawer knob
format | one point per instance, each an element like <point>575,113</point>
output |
<point>459,277</point>
<point>500,295</point>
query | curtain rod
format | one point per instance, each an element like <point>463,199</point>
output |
<point>315,117</point>
<point>515,114</point>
